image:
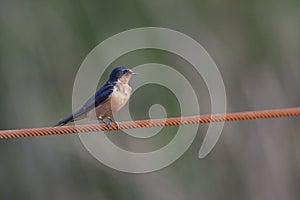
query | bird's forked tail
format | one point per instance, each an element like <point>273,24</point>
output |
<point>65,121</point>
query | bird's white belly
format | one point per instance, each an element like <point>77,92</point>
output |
<point>120,97</point>
<point>114,103</point>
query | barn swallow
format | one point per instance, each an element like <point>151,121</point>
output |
<point>110,98</point>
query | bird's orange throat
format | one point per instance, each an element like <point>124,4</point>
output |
<point>124,79</point>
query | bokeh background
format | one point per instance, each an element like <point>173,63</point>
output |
<point>256,46</point>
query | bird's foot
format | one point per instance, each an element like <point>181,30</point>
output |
<point>107,124</point>
<point>117,123</point>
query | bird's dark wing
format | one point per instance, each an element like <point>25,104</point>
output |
<point>101,95</point>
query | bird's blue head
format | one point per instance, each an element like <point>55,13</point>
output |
<point>121,73</point>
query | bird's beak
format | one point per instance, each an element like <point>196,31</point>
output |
<point>132,73</point>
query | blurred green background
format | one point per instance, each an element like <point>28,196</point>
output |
<point>256,46</point>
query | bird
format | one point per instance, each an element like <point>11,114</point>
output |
<point>110,98</point>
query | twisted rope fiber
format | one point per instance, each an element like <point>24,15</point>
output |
<point>200,119</point>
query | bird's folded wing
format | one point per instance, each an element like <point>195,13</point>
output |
<point>100,96</point>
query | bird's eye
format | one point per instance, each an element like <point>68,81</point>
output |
<point>125,71</point>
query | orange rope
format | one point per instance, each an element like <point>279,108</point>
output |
<point>288,112</point>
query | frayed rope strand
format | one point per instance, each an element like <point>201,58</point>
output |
<point>200,119</point>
